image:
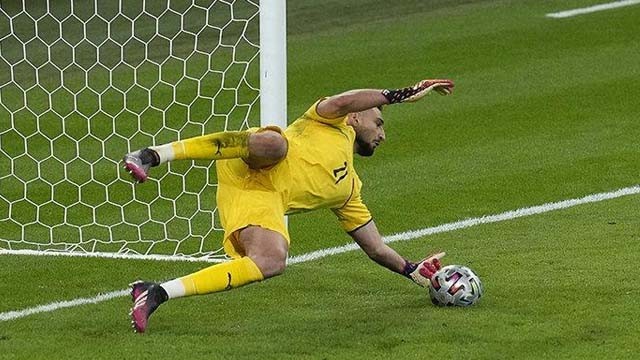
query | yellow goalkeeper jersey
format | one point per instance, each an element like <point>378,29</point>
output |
<point>316,173</point>
<point>320,164</point>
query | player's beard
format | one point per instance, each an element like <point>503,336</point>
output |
<point>364,148</point>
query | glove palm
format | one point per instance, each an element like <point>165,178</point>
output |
<point>425,269</point>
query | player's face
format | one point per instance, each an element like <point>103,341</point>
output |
<point>369,131</point>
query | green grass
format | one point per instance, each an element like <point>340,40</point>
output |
<point>555,287</point>
<point>543,111</point>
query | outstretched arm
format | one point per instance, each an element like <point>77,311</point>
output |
<point>338,106</point>
<point>370,241</point>
<point>359,100</point>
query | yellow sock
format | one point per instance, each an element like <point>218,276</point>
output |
<point>221,277</point>
<point>221,145</point>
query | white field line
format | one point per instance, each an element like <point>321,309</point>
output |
<point>591,9</point>
<point>11,315</point>
<point>404,236</point>
<point>114,256</point>
<point>513,214</point>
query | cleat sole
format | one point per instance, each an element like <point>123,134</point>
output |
<point>136,172</point>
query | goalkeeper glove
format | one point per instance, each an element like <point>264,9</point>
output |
<point>418,91</point>
<point>422,272</point>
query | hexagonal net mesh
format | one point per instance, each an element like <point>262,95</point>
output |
<point>84,82</point>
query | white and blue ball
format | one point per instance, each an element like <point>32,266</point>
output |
<point>455,285</point>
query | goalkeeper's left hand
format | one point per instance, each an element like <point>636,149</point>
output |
<point>418,91</point>
<point>422,272</point>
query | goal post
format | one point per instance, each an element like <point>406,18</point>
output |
<point>273,63</point>
<point>84,82</point>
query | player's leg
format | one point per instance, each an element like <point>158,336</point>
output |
<point>265,256</point>
<point>266,248</point>
<point>267,147</point>
<point>262,148</point>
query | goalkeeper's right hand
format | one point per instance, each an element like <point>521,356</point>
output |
<point>418,91</point>
<point>422,272</point>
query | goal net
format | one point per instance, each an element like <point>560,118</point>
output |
<point>82,82</point>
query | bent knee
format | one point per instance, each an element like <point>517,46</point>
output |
<point>270,266</point>
<point>268,249</point>
<point>268,144</point>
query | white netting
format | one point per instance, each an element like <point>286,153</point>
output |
<point>81,83</point>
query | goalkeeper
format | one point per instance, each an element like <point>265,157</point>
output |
<point>265,173</point>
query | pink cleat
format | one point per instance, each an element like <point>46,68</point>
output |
<point>138,163</point>
<point>146,296</point>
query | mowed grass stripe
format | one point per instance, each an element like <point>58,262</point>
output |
<point>521,129</point>
<point>409,235</point>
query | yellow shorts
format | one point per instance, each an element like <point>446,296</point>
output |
<point>250,197</point>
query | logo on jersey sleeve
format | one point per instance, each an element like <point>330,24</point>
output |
<point>340,173</point>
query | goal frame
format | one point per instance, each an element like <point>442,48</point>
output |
<point>273,111</point>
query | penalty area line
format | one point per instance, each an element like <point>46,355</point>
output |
<point>462,224</point>
<point>404,236</point>
<point>592,9</point>
<point>11,315</point>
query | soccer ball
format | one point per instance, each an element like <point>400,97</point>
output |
<point>455,285</point>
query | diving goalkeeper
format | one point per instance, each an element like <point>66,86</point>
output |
<point>265,173</point>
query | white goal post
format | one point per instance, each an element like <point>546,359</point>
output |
<point>82,82</point>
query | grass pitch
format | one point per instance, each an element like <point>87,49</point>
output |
<point>544,110</point>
